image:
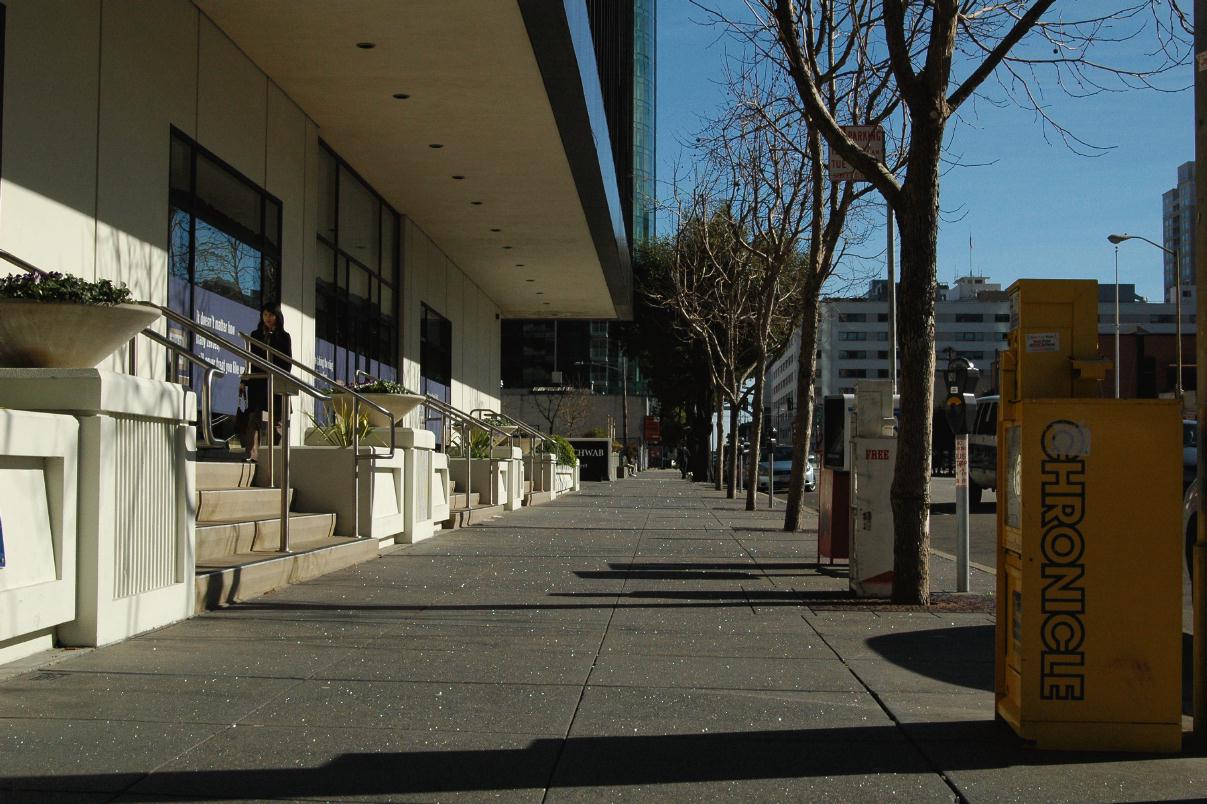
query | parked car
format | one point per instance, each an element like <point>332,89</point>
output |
<point>783,469</point>
<point>1190,510</point>
<point>982,449</point>
<point>1190,452</point>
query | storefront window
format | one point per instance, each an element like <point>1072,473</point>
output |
<point>357,280</point>
<point>224,259</point>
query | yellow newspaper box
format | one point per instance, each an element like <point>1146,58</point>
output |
<point>1089,561</point>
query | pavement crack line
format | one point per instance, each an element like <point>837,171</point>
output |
<point>935,767</point>
<point>561,750</point>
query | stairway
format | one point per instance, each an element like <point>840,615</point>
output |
<point>465,511</point>
<point>239,538</point>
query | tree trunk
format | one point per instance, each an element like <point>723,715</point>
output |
<point>918,220</point>
<point>719,463</point>
<point>802,421</point>
<point>756,429</point>
<point>731,477</point>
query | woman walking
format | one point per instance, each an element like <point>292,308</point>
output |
<point>271,332</point>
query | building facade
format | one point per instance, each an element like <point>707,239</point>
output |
<point>586,354</point>
<point>1177,225</point>
<point>399,177</point>
<point>972,320</point>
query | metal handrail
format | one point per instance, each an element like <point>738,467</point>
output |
<point>343,389</point>
<point>357,400</point>
<point>204,417</point>
<point>447,411</point>
<point>272,373</point>
<point>531,431</point>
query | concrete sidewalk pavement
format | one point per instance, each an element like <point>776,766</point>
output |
<point>642,639</point>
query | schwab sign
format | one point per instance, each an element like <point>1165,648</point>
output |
<point>594,458</point>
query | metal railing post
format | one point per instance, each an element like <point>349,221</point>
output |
<point>272,464</point>
<point>356,465</point>
<point>284,473</point>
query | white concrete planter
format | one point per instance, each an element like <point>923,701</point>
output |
<point>511,466</point>
<point>136,519</point>
<point>400,496</point>
<point>326,479</point>
<point>37,334</point>
<point>399,405</point>
<point>489,479</point>
<point>38,503</point>
<point>566,479</point>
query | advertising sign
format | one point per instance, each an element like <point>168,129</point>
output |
<point>652,428</point>
<point>594,458</point>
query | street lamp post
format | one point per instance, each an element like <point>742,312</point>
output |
<point>1173,252</point>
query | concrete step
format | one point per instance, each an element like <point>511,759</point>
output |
<point>224,475</point>
<point>538,498</point>
<point>238,505</point>
<point>464,517</point>
<point>243,576</point>
<point>215,541</point>
<point>457,500</point>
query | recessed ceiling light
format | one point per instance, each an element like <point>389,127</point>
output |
<point>540,293</point>
<point>507,248</point>
<point>458,178</point>
<point>545,303</point>
<point>401,96</point>
<point>529,280</point>
<point>496,230</point>
<point>475,203</point>
<point>519,265</point>
<point>366,45</point>
<point>436,145</point>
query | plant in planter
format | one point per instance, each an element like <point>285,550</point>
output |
<point>479,446</point>
<point>564,451</point>
<point>59,321</point>
<point>344,427</point>
<point>394,397</point>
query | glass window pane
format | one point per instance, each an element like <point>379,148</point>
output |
<point>358,284</point>
<point>358,220</point>
<point>180,169</point>
<point>389,243</point>
<point>227,266</point>
<point>326,264</point>
<point>272,222</point>
<point>387,301</point>
<point>326,190</point>
<point>226,196</point>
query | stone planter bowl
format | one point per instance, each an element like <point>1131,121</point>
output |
<point>36,334</point>
<point>399,406</point>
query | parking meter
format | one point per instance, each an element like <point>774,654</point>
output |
<point>961,377</point>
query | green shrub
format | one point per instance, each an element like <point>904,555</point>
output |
<point>565,453</point>
<point>55,287</point>
<point>381,387</point>
<point>344,428</point>
<point>596,432</point>
<point>479,446</point>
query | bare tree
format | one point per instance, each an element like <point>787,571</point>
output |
<point>938,54</point>
<point>756,148</point>
<point>565,406</point>
<point>709,287</point>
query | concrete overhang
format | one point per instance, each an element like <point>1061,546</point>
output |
<point>509,91</point>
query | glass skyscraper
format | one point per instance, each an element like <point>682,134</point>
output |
<point>1177,223</point>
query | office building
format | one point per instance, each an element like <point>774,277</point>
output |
<point>1177,225</point>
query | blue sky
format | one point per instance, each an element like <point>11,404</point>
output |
<point>1035,209</point>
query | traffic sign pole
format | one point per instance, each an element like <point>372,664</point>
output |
<point>963,573</point>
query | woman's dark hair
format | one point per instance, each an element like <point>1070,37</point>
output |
<point>275,309</point>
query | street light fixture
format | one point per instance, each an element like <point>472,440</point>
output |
<point>1116,239</point>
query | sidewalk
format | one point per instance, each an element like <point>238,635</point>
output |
<point>641,640</point>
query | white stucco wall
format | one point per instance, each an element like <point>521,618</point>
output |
<point>91,92</point>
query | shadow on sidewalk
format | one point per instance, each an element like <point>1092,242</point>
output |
<point>580,762</point>
<point>959,656</point>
